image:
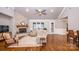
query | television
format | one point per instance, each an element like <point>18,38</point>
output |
<point>4,28</point>
<point>0,28</point>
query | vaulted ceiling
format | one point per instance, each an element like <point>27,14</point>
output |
<point>31,13</point>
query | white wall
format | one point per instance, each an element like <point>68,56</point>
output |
<point>7,11</point>
<point>58,28</point>
<point>73,17</point>
<point>19,18</point>
<point>5,20</point>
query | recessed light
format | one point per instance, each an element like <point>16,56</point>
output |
<point>51,10</point>
<point>27,10</point>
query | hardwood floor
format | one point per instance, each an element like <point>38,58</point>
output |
<point>58,43</point>
<point>54,43</point>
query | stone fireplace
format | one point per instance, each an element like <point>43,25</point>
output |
<point>22,27</point>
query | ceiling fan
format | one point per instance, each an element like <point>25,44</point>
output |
<point>41,12</point>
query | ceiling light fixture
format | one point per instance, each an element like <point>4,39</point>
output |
<point>41,12</point>
<point>27,10</point>
<point>51,10</point>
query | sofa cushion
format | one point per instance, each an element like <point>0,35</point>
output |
<point>9,41</point>
<point>6,36</point>
<point>33,33</point>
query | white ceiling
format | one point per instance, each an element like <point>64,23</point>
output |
<point>32,12</point>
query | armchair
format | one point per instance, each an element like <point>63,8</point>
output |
<point>42,34</point>
<point>9,40</point>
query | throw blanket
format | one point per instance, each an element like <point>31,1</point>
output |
<point>27,41</point>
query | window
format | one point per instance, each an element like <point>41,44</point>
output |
<point>34,25</point>
<point>38,25</point>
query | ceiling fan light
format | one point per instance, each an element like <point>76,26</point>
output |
<point>39,10</point>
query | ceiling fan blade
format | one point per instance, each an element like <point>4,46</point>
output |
<point>38,11</point>
<point>43,11</point>
<point>38,14</point>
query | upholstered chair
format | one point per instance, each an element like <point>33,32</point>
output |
<point>69,35</point>
<point>78,33</point>
<point>8,39</point>
<point>72,38</point>
<point>77,42</point>
<point>42,34</point>
<point>33,33</point>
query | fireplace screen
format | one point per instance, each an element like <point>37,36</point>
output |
<point>22,30</point>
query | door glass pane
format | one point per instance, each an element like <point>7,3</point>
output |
<point>38,25</point>
<point>52,27</point>
<point>42,25</point>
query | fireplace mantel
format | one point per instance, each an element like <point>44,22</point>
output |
<point>21,26</point>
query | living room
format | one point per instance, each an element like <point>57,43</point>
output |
<point>36,28</point>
